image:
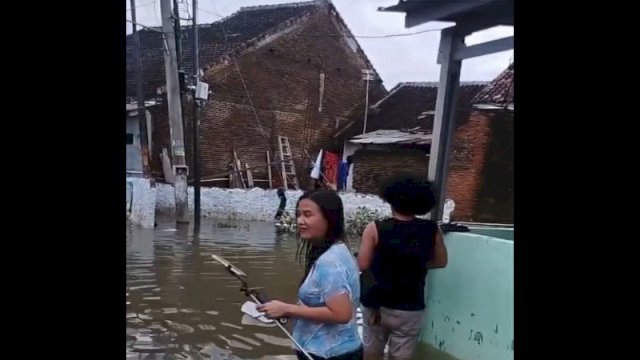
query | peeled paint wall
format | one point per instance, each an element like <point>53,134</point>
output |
<point>219,203</point>
<point>470,302</point>
<point>141,199</point>
<point>256,203</point>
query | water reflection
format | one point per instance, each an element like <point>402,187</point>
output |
<point>181,304</point>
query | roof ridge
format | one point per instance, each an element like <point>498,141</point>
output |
<point>489,93</point>
<point>395,89</point>
<point>420,83</point>
<point>435,83</point>
<point>274,29</point>
<point>244,8</point>
<point>402,84</point>
<point>285,5</point>
<point>350,35</point>
<point>473,83</point>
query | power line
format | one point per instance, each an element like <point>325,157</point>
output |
<point>373,36</point>
<point>155,11</point>
<point>350,36</point>
<point>244,85</point>
<point>210,12</point>
<point>141,5</point>
<point>144,26</point>
<point>186,4</point>
<point>320,35</point>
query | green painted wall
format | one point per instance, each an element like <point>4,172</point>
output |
<point>470,302</point>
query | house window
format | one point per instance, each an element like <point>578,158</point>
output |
<point>129,139</point>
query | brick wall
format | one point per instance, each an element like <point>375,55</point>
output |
<point>480,174</point>
<point>283,80</point>
<point>371,167</point>
<point>481,169</point>
<point>466,164</point>
<point>160,137</point>
<point>495,196</point>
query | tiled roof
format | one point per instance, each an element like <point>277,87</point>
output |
<point>410,105</point>
<point>243,29</point>
<point>499,91</point>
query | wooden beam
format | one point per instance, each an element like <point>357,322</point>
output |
<point>269,170</point>
<point>438,11</point>
<point>463,52</point>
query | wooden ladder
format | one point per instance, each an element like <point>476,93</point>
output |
<point>287,168</point>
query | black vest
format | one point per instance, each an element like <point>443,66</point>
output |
<point>398,271</point>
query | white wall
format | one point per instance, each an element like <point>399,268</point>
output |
<point>134,159</point>
<point>350,149</point>
<point>134,156</point>
<point>133,128</point>
<point>254,204</point>
<point>143,202</point>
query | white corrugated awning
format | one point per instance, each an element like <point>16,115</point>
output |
<point>134,105</point>
<point>392,137</point>
<point>509,107</point>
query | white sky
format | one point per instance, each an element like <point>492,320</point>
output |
<point>407,58</point>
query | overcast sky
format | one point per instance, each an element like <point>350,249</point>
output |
<point>407,58</point>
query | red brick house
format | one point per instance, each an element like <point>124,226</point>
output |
<point>398,138</point>
<point>481,171</point>
<point>292,70</point>
<point>398,133</point>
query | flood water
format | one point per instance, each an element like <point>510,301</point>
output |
<point>181,304</point>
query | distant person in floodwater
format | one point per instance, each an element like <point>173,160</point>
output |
<point>329,293</point>
<point>283,203</point>
<point>394,257</point>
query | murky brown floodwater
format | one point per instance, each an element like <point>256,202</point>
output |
<point>181,304</point>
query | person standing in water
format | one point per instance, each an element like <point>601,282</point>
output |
<point>283,203</point>
<point>394,256</point>
<point>329,293</point>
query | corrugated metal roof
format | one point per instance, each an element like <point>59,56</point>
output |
<point>134,106</point>
<point>393,137</point>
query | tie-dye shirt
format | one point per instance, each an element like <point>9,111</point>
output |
<point>334,273</point>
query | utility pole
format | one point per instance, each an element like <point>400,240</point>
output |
<point>180,169</point>
<point>181,74</point>
<point>196,125</point>
<point>367,75</point>
<point>176,32</point>
<point>142,113</point>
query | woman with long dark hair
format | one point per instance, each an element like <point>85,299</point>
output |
<point>329,293</point>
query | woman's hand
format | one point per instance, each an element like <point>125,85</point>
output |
<point>274,309</point>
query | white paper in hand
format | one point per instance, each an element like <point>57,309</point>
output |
<point>248,320</point>
<point>250,308</point>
